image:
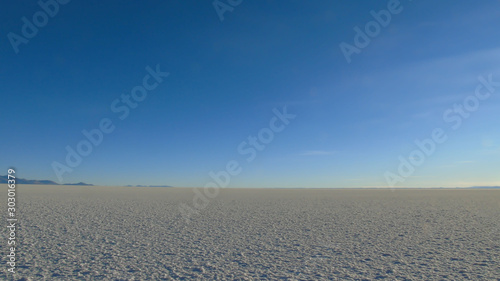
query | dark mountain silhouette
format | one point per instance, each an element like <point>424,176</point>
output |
<point>80,183</point>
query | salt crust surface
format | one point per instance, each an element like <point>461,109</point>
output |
<point>120,233</point>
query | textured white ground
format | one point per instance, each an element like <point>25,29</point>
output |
<point>117,233</point>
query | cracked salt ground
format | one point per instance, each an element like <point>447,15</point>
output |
<point>107,233</point>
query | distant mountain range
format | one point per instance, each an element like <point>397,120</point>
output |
<point>4,179</point>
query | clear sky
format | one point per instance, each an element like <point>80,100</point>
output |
<point>352,121</point>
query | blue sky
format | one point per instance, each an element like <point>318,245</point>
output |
<point>353,120</point>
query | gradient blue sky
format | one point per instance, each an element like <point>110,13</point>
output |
<point>353,120</point>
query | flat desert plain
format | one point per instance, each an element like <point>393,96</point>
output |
<point>123,233</point>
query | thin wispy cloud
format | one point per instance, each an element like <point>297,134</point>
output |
<point>317,152</point>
